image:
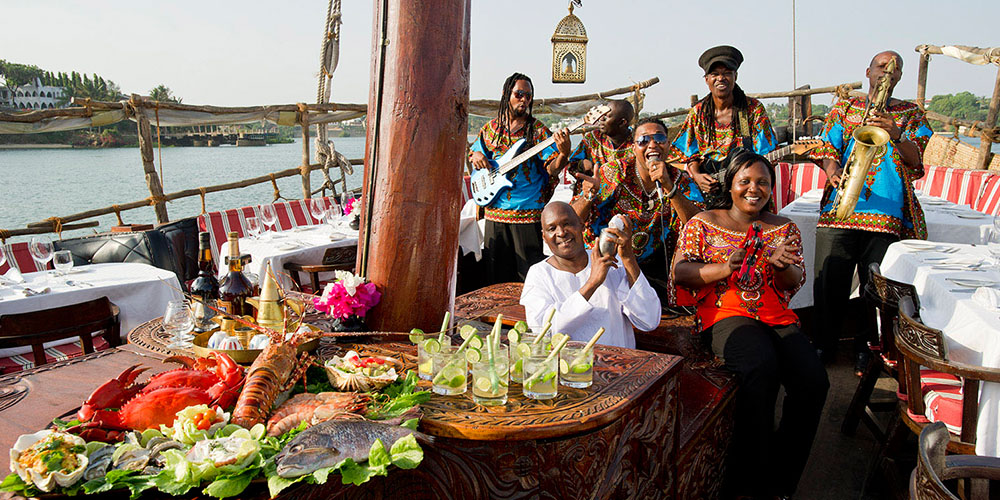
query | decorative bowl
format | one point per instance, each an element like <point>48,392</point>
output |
<point>347,381</point>
<point>242,356</point>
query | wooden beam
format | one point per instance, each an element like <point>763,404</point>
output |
<point>797,93</point>
<point>306,185</point>
<point>48,228</point>
<point>925,59</point>
<point>149,169</point>
<point>986,140</point>
<point>413,166</point>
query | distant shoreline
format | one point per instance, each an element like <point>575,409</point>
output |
<point>36,146</point>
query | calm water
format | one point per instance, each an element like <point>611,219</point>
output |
<point>41,183</point>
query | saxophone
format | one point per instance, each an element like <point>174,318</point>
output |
<point>869,143</point>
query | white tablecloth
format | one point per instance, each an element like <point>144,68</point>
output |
<point>972,332</point>
<point>305,245</point>
<point>140,291</point>
<point>946,222</point>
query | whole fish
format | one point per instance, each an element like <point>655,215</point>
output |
<point>328,443</point>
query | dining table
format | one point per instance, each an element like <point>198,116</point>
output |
<point>140,291</point>
<point>946,222</point>
<point>947,277</point>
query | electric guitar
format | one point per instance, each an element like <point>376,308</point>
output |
<point>799,147</point>
<point>488,183</point>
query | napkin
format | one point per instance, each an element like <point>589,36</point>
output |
<point>987,297</point>
<point>14,275</point>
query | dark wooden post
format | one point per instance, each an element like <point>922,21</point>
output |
<point>417,127</point>
<point>991,122</point>
<point>304,168</point>
<point>146,151</point>
<point>925,59</point>
<point>694,99</point>
<point>799,107</point>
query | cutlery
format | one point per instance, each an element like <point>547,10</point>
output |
<point>29,292</point>
<point>78,283</point>
<point>963,290</point>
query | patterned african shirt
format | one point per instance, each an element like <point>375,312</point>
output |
<point>887,203</point>
<point>760,299</point>
<point>621,192</point>
<point>693,136</point>
<point>523,203</point>
<point>600,149</point>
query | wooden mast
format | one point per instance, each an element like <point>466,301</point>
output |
<point>416,147</point>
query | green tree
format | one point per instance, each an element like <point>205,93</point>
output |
<point>15,74</point>
<point>163,93</point>
<point>963,105</point>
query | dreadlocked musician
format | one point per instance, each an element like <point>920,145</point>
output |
<point>722,120</point>
<point>513,220</point>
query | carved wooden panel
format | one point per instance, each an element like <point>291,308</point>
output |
<point>923,340</point>
<point>484,304</point>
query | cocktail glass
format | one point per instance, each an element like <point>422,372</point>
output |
<point>490,380</point>
<point>425,360</point>
<point>517,353</point>
<point>543,386</point>
<point>576,367</point>
<point>450,371</point>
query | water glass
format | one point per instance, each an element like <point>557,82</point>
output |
<point>41,250</point>
<point>518,353</point>
<point>425,360</point>
<point>253,227</point>
<point>450,371</point>
<point>576,367</point>
<point>490,380</point>
<point>543,385</point>
<point>63,262</point>
<point>178,321</point>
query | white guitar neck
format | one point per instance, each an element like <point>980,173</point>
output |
<point>532,151</point>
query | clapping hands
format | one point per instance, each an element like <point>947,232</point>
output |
<point>787,253</point>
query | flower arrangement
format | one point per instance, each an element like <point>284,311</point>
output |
<point>348,296</point>
<point>349,207</point>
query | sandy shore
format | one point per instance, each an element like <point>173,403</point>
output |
<point>35,146</point>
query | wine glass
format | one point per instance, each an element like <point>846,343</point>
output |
<point>335,213</point>
<point>993,245</point>
<point>349,201</point>
<point>268,216</point>
<point>178,321</point>
<point>41,249</point>
<point>317,207</point>
<point>63,262</point>
<point>253,227</point>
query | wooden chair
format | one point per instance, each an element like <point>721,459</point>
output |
<point>77,320</point>
<point>884,294</point>
<point>951,388</point>
<point>335,259</point>
<point>933,468</point>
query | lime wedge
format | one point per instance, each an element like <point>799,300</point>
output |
<point>514,336</point>
<point>93,446</point>
<point>416,335</point>
<point>523,350</point>
<point>432,346</point>
<point>563,366</point>
<point>483,384</point>
<point>473,355</point>
<point>548,376</point>
<point>517,367</point>
<point>457,381</point>
<point>466,330</point>
<point>581,368</point>
<point>521,327</point>
<point>476,343</point>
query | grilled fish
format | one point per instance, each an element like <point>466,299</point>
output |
<point>328,443</point>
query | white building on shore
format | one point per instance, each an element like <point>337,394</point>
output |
<point>31,96</point>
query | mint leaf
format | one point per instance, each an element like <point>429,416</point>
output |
<point>406,453</point>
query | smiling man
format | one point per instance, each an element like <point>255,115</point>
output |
<point>589,290</point>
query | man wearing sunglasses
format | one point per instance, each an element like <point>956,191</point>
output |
<point>513,240</point>
<point>723,119</point>
<point>629,187</point>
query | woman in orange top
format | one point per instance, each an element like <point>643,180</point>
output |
<point>752,329</point>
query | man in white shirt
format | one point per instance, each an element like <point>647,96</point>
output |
<point>588,290</point>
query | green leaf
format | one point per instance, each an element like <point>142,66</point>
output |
<point>377,455</point>
<point>12,482</point>
<point>411,424</point>
<point>230,486</point>
<point>276,483</point>
<point>352,473</point>
<point>321,475</point>
<point>167,482</point>
<point>406,453</point>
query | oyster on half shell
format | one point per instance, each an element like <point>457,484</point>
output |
<point>49,458</point>
<point>347,374</point>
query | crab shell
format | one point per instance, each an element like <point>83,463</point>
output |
<point>48,481</point>
<point>356,381</point>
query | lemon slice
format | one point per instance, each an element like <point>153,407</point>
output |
<point>514,336</point>
<point>466,330</point>
<point>523,350</point>
<point>483,384</point>
<point>432,346</point>
<point>563,366</point>
<point>416,335</point>
<point>476,342</point>
<point>473,355</point>
<point>521,327</point>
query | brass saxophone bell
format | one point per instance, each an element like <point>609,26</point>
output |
<point>868,143</point>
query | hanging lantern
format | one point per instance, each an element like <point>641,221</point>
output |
<point>569,49</point>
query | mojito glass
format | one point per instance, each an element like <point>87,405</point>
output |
<point>544,385</point>
<point>517,353</point>
<point>450,371</point>
<point>576,368</point>
<point>425,362</point>
<point>490,380</point>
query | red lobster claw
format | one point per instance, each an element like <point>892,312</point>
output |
<point>112,394</point>
<point>230,374</point>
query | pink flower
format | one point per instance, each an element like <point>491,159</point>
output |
<point>349,207</point>
<point>342,301</point>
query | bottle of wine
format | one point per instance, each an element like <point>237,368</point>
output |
<point>205,288</point>
<point>235,288</point>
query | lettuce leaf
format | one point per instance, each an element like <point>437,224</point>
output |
<point>406,453</point>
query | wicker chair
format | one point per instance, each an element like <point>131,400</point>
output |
<point>77,320</point>
<point>934,468</point>
<point>884,294</point>
<point>335,259</point>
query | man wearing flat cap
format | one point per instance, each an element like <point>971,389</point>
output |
<point>724,119</point>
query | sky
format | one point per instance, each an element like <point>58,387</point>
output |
<point>251,52</point>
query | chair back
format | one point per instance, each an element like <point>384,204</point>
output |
<point>76,320</point>
<point>934,467</point>
<point>884,294</point>
<point>341,256</point>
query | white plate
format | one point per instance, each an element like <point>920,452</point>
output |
<point>919,244</point>
<point>336,236</point>
<point>287,246</point>
<point>971,282</point>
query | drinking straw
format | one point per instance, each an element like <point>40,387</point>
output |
<point>590,345</point>
<point>548,359</point>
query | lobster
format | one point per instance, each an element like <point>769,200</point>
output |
<point>214,380</point>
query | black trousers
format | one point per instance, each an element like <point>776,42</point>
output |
<point>657,274</point>
<point>763,461</point>
<point>510,249</point>
<point>838,253</point>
